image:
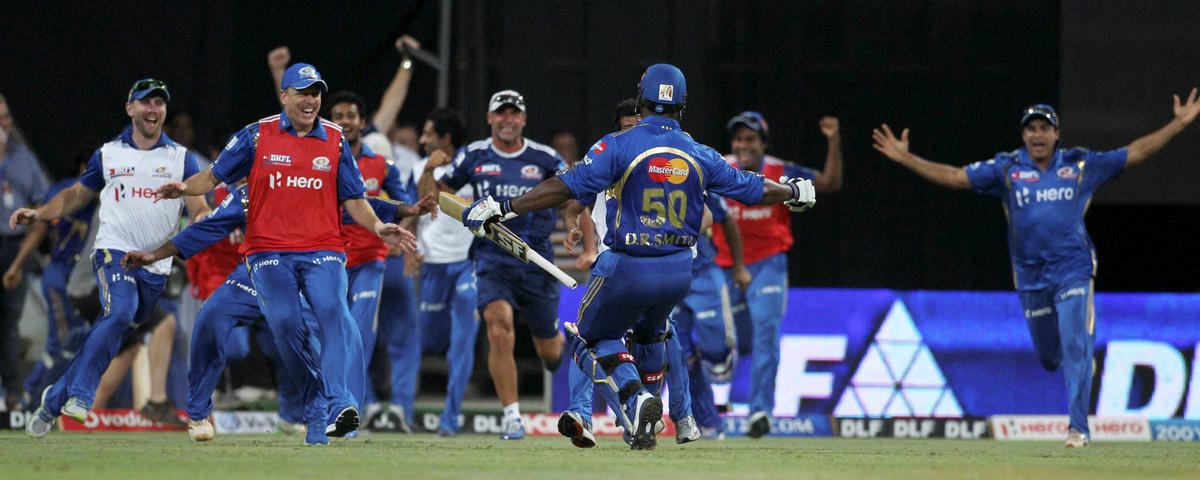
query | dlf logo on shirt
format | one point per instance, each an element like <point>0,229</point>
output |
<point>276,180</point>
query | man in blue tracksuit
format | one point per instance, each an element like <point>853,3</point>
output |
<point>235,303</point>
<point>1046,191</point>
<point>656,177</point>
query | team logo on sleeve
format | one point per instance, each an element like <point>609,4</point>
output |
<point>674,170</point>
<point>1068,173</point>
<point>1026,176</point>
<point>321,164</point>
<point>531,172</point>
<point>598,147</point>
<point>371,184</point>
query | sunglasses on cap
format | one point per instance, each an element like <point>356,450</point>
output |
<point>148,85</point>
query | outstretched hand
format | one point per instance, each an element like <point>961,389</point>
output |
<point>890,146</point>
<point>393,234</point>
<point>23,216</point>
<point>428,205</point>
<point>137,259</point>
<point>1186,112</point>
<point>170,190</point>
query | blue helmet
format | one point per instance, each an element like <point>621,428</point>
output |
<point>663,88</point>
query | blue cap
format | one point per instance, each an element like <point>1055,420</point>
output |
<point>301,76</point>
<point>663,84</point>
<point>145,87</point>
<point>1040,110</point>
<point>751,120</point>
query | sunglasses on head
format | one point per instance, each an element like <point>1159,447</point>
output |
<point>513,99</point>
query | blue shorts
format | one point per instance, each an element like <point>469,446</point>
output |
<point>533,295</point>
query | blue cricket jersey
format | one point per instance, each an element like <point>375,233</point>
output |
<point>1047,239</point>
<point>706,251</point>
<point>655,177</point>
<point>69,233</point>
<point>503,176</point>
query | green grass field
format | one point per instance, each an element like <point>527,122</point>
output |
<point>100,456</point>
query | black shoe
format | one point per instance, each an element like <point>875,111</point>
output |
<point>760,424</point>
<point>346,422</point>
<point>164,413</point>
<point>646,412</point>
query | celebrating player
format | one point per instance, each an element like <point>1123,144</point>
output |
<point>767,236</point>
<point>505,166</point>
<point>125,173</point>
<point>299,169</point>
<point>657,176</point>
<point>1046,191</point>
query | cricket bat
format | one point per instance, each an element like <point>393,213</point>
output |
<point>453,205</point>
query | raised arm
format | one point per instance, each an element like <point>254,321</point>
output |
<point>830,178</point>
<point>397,91</point>
<point>1144,147</point>
<point>277,61</point>
<point>426,184</point>
<point>897,149</point>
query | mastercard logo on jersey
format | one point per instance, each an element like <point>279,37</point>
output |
<point>663,169</point>
<point>1026,176</point>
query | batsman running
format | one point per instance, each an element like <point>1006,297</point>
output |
<point>1046,191</point>
<point>655,178</point>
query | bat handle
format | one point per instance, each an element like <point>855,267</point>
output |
<point>551,268</point>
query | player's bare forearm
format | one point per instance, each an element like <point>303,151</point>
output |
<point>200,183</point>
<point>393,100</point>
<point>426,185</point>
<point>167,250</point>
<point>938,173</point>
<point>830,178</point>
<point>550,193</point>
<point>66,202</point>
<point>775,192</point>
<point>1148,145</point>
<point>362,213</point>
<point>197,207</point>
<point>733,236</point>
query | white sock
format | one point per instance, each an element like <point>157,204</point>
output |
<point>512,410</point>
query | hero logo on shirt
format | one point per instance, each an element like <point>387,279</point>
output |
<point>1026,176</point>
<point>321,164</point>
<point>674,170</point>
<point>276,159</point>
<point>488,169</point>
<point>1068,173</point>
<point>531,172</point>
<point>276,180</point>
<point>666,92</point>
<point>598,147</point>
<point>120,172</point>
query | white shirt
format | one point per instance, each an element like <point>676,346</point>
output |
<point>444,239</point>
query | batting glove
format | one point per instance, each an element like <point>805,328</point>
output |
<point>803,194</point>
<point>484,212</point>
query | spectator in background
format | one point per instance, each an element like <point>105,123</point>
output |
<point>181,128</point>
<point>405,149</point>
<point>567,146</point>
<point>22,184</point>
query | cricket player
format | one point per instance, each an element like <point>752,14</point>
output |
<point>767,236</point>
<point>1045,191</point>
<point>505,166</point>
<point>124,173</point>
<point>299,170</point>
<point>66,328</point>
<point>655,178</point>
<point>448,295</point>
<point>365,251</point>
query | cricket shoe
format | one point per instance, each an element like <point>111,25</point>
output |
<point>315,435</point>
<point>686,430</point>
<point>291,428</point>
<point>401,418</point>
<point>346,422</point>
<point>164,413</point>
<point>646,411</point>
<point>1076,439</point>
<point>760,424</point>
<point>571,425</point>
<point>513,429</point>
<point>201,430</point>
<point>712,434</point>
<point>42,421</point>
<point>75,408</point>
